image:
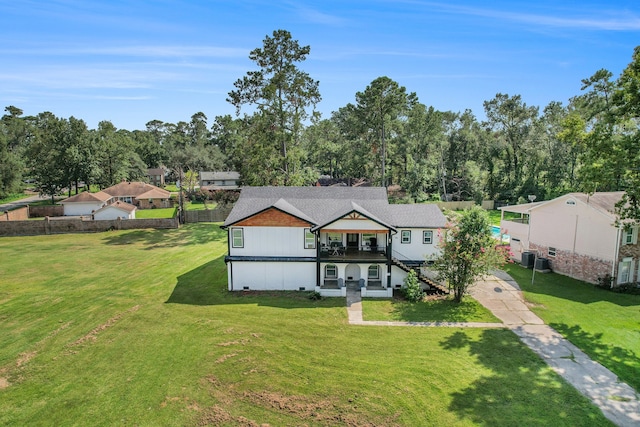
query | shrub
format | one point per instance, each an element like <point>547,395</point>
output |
<point>315,296</point>
<point>411,290</point>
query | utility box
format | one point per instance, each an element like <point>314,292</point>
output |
<point>542,264</point>
<point>528,259</point>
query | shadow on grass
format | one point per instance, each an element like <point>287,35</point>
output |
<point>622,362</point>
<point>207,285</point>
<point>564,287</point>
<point>520,389</point>
<point>191,234</point>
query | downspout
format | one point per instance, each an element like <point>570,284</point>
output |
<point>318,258</point>
<point>616,258</point>
<point>573,250</point>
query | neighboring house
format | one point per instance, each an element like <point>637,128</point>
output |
<point>327,238</point>
<point>219,180</point>
<point>156,176</point>
<point>140,194</point>
<point>116,210</point>
<point>85,203</point>
<point>577,234</point>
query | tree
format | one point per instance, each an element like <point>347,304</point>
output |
<point>512,121</point>
<point>627,100</point>
<point>469,252</point>
<point>381,108</point>
<point>281,94</point>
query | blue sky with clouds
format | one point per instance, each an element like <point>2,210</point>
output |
<point>135,61</point>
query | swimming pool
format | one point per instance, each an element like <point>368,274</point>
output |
<point>495,232</point>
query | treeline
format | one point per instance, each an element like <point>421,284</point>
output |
<point>387,136</point>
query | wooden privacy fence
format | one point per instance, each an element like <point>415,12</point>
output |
<point>207,215</point>
<point>77,225</point>
<point>486,204</point>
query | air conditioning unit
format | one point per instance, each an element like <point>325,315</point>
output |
<point>528,258</point>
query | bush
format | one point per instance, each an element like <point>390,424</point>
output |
<point>315,296</point>
<point>412,290</point>
<point>604,282</point>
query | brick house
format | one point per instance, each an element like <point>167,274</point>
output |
<point>140,194</point>
<point>577,234</point>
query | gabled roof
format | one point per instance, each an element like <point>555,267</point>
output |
<point>155,193</point>
<point>87,197</point>
<point>218,176</point>
<point>418,215</point>
<point>603,202</point>
<point>123,206</point>
<point>324,205</point>
<point>133,189</point>
<point>355,208</point>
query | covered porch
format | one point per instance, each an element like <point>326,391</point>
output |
<point>370,279</point>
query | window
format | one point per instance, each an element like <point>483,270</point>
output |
<point>625,271</point>
<point>330,271</point>
<point>405,236</point>
<point>630,236</point>
<point>237,238</point>
<point>551,252</point>
<point>374,272</point>
<point>427,237</point>
<point>309,239</point>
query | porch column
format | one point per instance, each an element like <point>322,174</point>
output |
<point>318,258</point>
<point>389,249</point>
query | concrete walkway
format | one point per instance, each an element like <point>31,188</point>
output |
<point>502,296</point>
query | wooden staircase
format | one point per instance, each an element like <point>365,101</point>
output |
<point>434,286</point>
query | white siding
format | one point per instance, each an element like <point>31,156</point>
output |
<point>416,250</point>
<point>273,241</point>
<point>79,208</point>
<point>354,224</point>
<point>113,213</point>
<point>572,228</point>
<point>273,276</point>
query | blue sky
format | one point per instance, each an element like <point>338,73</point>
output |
<point>135,61</point>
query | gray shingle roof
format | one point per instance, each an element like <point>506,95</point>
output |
<point>215,176</point>
<point>322,205</point>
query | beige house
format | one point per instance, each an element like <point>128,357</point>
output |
<point>577,234</point>
<point>140,194</point>
<point>85,203</point>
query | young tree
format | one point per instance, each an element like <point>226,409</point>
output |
<point>281,94</point>
<point>469,252</point>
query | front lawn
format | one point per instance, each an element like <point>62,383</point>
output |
<point>603,324</point>
<point>438,310</point>
<point>137,328</point>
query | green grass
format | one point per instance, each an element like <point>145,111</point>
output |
<point>440,310</point>
<point>495,215</point>
<point>137,328</point>
<point>171,187</point>
<point>199,206</point>
<point>603,324</point>
<point>12,198</point>
<point>156,213</point>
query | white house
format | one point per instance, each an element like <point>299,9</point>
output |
<point>577,234</point>
<point>116,210</point>
<point>327,238</point>
<point>228,180</point>
<point>85,203</point>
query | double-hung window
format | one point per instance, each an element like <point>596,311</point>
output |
<point>330,271</point>
<point>237,238</point>
<point>309,239</point>
<point>405,236</point>
<point>427,237</point>
<point>630,236</point>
